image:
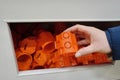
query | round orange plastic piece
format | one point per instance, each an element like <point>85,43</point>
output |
<point>36,66</point>
<point>48,47</point>
<point>40,58</point>
<point>28,45</point>
<point>24,60</point>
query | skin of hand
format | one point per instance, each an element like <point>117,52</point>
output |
<point>93,39</point>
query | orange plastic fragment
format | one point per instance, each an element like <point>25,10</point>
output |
<point>28,45</point>
<point>63,61</point>
<point>24,60</point>
<point>40,58</point>
<point>51,58</point>
<point>69,61</point>
<point>66,43</point>
<point>36,66</point>
<point>94,58</point>
<point>48,47</point>
<point>58,61</point>
<point>73,61</point>
<point>85,59</point>
<point>101,58</point>
<point>43,39</point>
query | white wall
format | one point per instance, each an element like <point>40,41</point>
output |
<point>60,9</point>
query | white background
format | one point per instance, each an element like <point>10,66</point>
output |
<point>60,9</point>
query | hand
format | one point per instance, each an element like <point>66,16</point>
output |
<point>93,39</point>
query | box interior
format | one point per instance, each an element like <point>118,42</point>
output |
<point>22,30</point>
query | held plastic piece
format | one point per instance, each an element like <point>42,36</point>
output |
<point>24,60</point>
<point>66,46</point>
<point>28,45</point>
<point>66,43</point>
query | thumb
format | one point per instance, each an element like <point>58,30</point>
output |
<point>85,50</point>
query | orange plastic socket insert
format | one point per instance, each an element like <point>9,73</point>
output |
<point>24,60</point>
<point>28,45</point>
<point>66,43</point>
<point>40,58</point>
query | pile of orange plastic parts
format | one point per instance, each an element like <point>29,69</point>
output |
<point>46,51</point>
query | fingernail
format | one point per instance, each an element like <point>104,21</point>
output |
<point>78,54</point>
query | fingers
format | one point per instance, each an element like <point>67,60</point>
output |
<point>84,50</point>
<point>72,29</point>
<point>83,42</point>
<point>83,34</point>
<point>77,28</point>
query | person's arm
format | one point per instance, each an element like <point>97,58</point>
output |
<point>113,36</point>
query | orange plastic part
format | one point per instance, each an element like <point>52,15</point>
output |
<point>101,58</point>
<point>43,39</point>
<point>24,60</point>
<point>48,47</point>
<point>51,57</point>
<point>40,58</point>
<point>69,61</point>
<point>36,66</point>
<point>66,43</point>
<point>28,45</point>
<point>63,61</point>
<point>94,58</point>
<point>85,59</point>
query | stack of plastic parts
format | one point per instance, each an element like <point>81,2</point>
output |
<point>94,58</point>
<point>46,51</point>
<point>24,53</point>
